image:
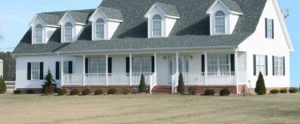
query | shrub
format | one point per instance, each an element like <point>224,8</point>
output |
<point>142,86</point>
<point>260,85</point>
<point>180,88</point>
<point>192,91</point>
<point>283,90</point>
<point>209,92</point>
<point>99,92</point>
<point>112,91</point>
<point>49,86</point>
<point>17,91</point>
<point>74,92</point>
<point>86,91</point>
<point>63,92</point>
<point>30,92</point>
<point>224,92</point>
<point>126,91</point>
<point>274,91</point>
<point>293,90</point>
<point>2,85</point>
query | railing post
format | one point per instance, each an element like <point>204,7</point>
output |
<point>83,70</point>
<point>130,69</point>
<point>205,70</point>
<point>106,72</point>
<point>236,71</point>
<point>62,71</point>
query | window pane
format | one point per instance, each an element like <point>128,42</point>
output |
<point>141,65</point>
<point>66,67</point>
<point>100,29</point>
<point>39,33</point>
<point>157,28</point>
<point>224,63</point>
<point>212,63</point>
<point>97,65</point>
<point>35,71</point>
<point>68,32</point>
<point>269,28</point>
<point>261,64</point>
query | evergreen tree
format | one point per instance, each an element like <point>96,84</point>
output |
<point>142,86</point>
<point>260,85</point>
<point>2,85</point>
<point>49,85</point>
<point>181,88</point>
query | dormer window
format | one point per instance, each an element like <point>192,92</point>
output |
<point>68,32</point>
<point>220,22</point>
<point>156,29</point>
<point>38,34</point>
<point>100,29</point>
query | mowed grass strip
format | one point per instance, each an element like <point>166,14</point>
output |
<point>149,109</point>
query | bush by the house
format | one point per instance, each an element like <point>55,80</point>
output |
<point>63,92</point>
<point>293,90</point>
<point>112,91</point>
<point>74,92</point>
<point>192,91</point>
<point>283,91</point>
<point>17,91</point>
<point>224,92</point>
<point>99,92</point>
<point>30,92</point>
<point>209,92</point>
<point>126,91</point>
<point>2,85</point>
<point>49,86</point>
<point>274,91</point>
<point>260,85</point>
<point>180,88</point>
<point>86,91</point>
<point>142,86</point>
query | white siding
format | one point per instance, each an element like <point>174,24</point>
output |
<point>112,27</point>
<point>1,68</point>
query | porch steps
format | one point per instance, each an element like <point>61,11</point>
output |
<point>162,90</point>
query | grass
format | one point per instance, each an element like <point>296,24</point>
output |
<point>149,109</point>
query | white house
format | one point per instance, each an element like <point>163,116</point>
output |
<point>213,43</point>
<point>1,67</point>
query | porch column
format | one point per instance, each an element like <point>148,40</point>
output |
<point>206,69</point>
<point>62,71</point>
<point>130,69</point>
<point>155,63</point>
<point>176,73</point>
<point>106,72</point>
<point>236,71</point>
<point>83,70</point>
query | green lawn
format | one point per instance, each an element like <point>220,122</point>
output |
<point>149,109</point>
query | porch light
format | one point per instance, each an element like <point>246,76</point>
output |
<point>165,57</point>
<point>191,57</point>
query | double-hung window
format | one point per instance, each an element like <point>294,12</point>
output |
<point>269,28</point>
<point>35,71</point>
<point>220,22</point>
<point>141,65</point>
<point>218,64</point>
<point>38,34</point>
<point>100,29</point>
<point>260,64</point>
<point>278,66</point>
<point>68,32</point>
<point>156,26</point>
<point>97,65</point>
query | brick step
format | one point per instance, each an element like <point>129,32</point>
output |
<point>162,90</point>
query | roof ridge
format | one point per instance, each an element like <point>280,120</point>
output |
<point>64,11</point>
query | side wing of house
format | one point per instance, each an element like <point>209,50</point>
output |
<point>268,49</point>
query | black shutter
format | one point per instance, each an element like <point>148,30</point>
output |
<point>109,65</point>
<point>153,64</point>
<point>272,28</point>
<point>28,71</point>
<point>57,72</point>
<point>267,66</point>
<point>232,62</point>
<point>127,65</point>
<point>266,28</point>
<point>70,67</point>
<point>42,71</point>
<point>273,65</point>
<point>283,65</point>
<point>203,63</point>
<point>86,65</point>
<point>254,65</point>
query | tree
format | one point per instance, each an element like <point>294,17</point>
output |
<point>9,66</point>
<point>2,85</point>
<point>180,88</point>
<point>142,86</point>
<point>260,85</point>
<point>49,85</point>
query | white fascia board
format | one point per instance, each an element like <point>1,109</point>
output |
<point>211,8</point>
<point>173,17</point>
<point>66,15</point>
<point>147,15</point>
<point>34,19</point>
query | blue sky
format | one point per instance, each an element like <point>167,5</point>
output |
<point>16,15</point>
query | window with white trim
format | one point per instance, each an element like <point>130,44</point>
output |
<point>97,65</point>
<point>68,32</point>
<point>269,28</point>
<point>218,63</point>
<point>220,22</point>
<point>156,26</point>
<point>39,34</point>
<point>141,65</point>
<point>66,67</point>
<point>278,66</point>
<point>35,71</point>
<point>261,64</point>
<point>100,29</point>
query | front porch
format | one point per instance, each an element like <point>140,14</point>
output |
<point>215,68</point>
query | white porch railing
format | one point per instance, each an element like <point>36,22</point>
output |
<point>95,79</point>
<point>73,79</point>
<point>220,78</point>
<point>153,82</point>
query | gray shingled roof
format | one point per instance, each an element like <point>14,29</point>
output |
<point>51,19</point>
<point>190,31</point>
<point>112,13</point>
<point>81,16</point>
<point>232,5</point>
<point>169,9</point>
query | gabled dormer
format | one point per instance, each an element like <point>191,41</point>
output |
<point>161,20</point>
<point>224,15</point>
<point>42,28</point>
<point>72,25</point>
<point>105,21</point>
